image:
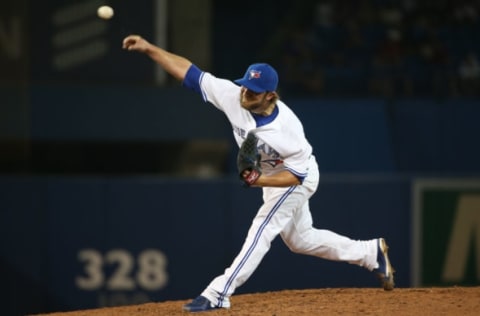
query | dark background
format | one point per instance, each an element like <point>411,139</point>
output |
<point>96,153</point>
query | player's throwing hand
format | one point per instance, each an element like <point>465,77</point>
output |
<point>136,42</point>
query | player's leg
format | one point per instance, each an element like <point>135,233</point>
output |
<point>301,237</point>
<point>267,224</point>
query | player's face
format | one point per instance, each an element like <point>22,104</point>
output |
<point>253,101</point>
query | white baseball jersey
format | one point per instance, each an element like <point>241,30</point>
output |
<point>285,211</point>
<point>282,141</point>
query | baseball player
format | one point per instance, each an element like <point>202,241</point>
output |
<point>286,171</point>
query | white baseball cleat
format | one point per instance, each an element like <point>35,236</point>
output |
<point>385,270</point>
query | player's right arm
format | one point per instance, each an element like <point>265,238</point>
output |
<point>175,65</point>
<point>213,90</point>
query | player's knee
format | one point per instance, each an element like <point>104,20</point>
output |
<point>296,248</point>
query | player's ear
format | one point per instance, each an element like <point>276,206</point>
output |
<point>272,96</point>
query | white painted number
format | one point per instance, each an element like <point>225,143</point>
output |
<point>93,270</point>
<point>151,273</point>
<point>120,279</point>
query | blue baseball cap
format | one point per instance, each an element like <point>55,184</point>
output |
<point>259,78</point>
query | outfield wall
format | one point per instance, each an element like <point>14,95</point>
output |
<point>73,243</point>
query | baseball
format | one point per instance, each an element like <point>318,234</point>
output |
<point>105,12</point>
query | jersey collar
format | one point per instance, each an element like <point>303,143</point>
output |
<point>264,120</point>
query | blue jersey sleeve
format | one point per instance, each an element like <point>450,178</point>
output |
<point>192,79</point>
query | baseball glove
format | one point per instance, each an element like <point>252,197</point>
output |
<point>248,158</point>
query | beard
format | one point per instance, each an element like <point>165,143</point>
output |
<point>251,105</point>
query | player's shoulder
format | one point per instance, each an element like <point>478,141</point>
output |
<point>211,80</point>
<point>286,114</point>
<point>219,91</point>
<point>284,107</point>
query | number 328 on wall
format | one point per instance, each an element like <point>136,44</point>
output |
<point>147,271</point>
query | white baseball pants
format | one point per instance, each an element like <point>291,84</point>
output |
<point>286,212</point>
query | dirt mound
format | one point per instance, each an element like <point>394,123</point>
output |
<point>333,301</point>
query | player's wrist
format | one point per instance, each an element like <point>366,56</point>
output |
<point>150,49</point>
<point>253,177</point>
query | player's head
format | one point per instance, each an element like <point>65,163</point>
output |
<point>259,78</point>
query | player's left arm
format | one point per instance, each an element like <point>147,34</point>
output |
<point>283,178</point>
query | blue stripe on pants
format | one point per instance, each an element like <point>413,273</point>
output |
<point>255,242</point>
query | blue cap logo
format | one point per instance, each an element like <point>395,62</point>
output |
<point>254,74</point>
<point>259,78</point>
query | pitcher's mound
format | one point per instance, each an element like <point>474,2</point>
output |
<point>332,301</point>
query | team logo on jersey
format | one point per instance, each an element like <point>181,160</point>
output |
<point>273,162</point>
<point>254,74</point>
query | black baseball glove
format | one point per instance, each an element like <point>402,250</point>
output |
<point>248,158</point>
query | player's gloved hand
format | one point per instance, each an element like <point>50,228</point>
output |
<point>249,177</point>
<point>248,160</point>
